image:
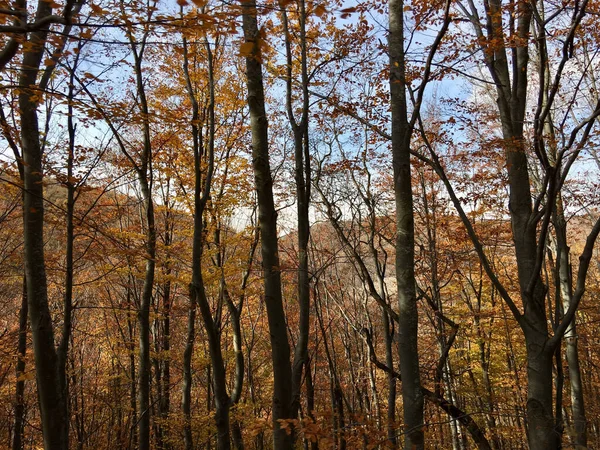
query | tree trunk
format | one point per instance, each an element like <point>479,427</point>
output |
<point>165,400</point>
<point>540,415</point>
<point>186,396</point>
<point>52,399</point>
<point>19,408</point>
<point>302,175</point>
<point>389,360</point>
<point>512,96</point>
<point>566,292</point>
<point>144,324</point>
<point>197,290</point>
<point>412,394</point>
<point>280,348</point>
<point>132,371</point>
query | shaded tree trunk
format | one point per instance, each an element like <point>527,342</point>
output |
<point>52,399</point>
<point>412,394</point>
<point>280,348</point>
<point>186,397</point>
<point>19,406</point>
<point>302,176</point>
<point>564,278</point>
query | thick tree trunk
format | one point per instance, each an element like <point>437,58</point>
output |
<point>512,96</point>
<point>541,430</point>
<point>280,348</point>
<point>412,393</point>
<point>51,396</point>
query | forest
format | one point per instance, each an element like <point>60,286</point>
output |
<point>299,224</point>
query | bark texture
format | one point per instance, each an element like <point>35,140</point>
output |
<point>267,216</point>
<point>412,393</point>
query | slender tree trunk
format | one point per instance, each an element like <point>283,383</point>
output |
<point>566,292</point>
<point>280,348</point>
<point>412,394</point>
<point>310,398</point>
<point>66,337</point>
<point>302,176</point>
<point>19,408</point>
<point>197,291</point>
<point>186,397</point>
<point>132,371</point>
<point>389,360</point>
<point>165,399</point>
<point>144,171</point>
<point>144,324</point>
<point>234,312</point>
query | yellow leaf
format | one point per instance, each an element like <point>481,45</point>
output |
<point>320,10</point>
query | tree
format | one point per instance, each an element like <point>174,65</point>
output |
<point>50,361</point>
<point>530,219</point>
<point>267,218</point>
<point>401,131</point>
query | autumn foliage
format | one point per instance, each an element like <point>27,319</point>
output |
<point>227,224</point>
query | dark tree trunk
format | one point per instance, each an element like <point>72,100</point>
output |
<point>52,400</point>
<point>186,397</point>
<point>19,408</point>
<point>280,348</point>
<point>202,187</point>
<point>302,176</point>
<point>412,394</point>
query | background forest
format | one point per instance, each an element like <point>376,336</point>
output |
<point>299,224</point>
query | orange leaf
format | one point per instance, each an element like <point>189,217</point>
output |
<point>347,11</point>
<point>246,48</point>
<point>86,34</point>
<point>320,10</point>
<point>96,9</point>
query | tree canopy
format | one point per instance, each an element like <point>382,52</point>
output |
<point>299,224</point>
